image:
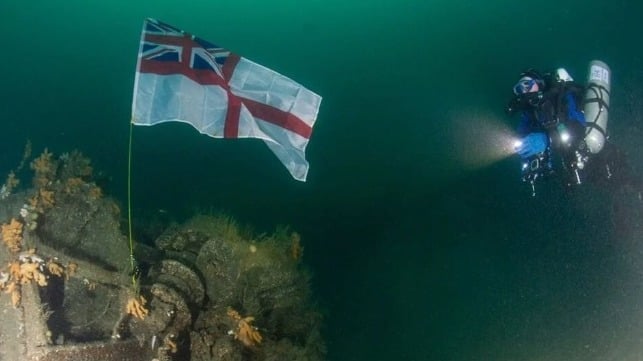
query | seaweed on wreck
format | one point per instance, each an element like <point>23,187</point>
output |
<point>257,277</point>
<point>211,289</point>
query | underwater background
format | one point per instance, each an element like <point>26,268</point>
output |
<point>423,242</point>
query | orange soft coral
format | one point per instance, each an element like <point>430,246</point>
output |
<point>136,307</point>
<point>20,274</point>
<point>14,270</point>
<point>42,201</point>
<point>70,270</point>
<point>46,198</point>
<point>31,272</point>
<point>16,295</point>
<point>245,332</point>
<point>55,268</point>
<point>73,185</point>
<point>12,235</point>
<point>26,268</point>
<point>170,344</point>
<point>44,168</point>
<point>95,192</point>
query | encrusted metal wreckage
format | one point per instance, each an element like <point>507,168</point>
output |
<point>204,292</point>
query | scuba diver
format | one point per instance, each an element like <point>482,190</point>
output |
<point>561,139</point>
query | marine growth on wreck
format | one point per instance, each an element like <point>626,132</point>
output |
<point>206,289</point>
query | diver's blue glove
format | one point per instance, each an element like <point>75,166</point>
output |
<point>532,144</point>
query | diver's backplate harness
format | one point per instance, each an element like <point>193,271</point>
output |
<point>573,143</point>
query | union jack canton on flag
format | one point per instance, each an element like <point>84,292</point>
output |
<point>180,77</point>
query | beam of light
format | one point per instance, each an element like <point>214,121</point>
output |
<point>480,138</point>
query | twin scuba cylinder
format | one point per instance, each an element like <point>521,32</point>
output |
<point>596,105</point>
<point>596,110</point>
